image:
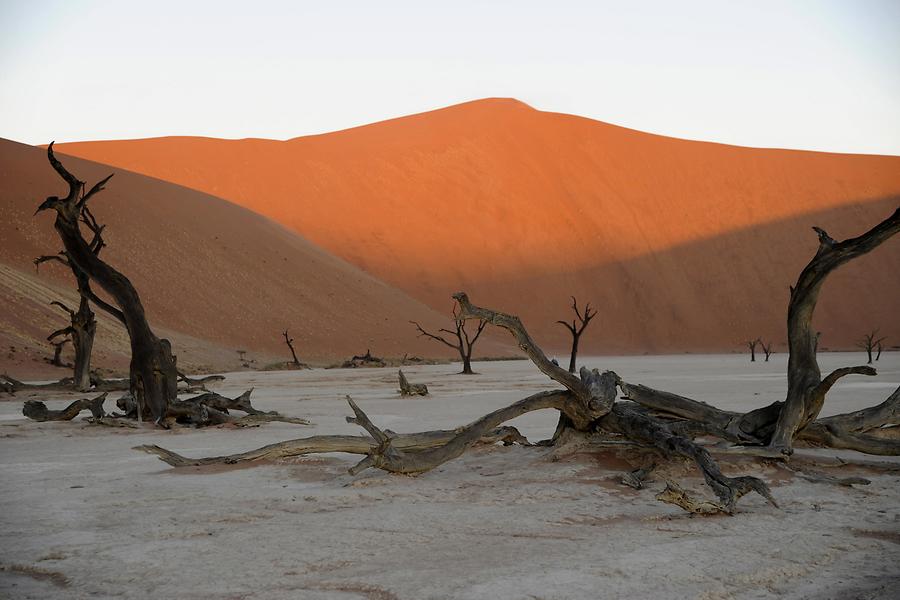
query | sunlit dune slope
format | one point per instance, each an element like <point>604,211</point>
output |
<point>522,207</point>
<point>213,276</point>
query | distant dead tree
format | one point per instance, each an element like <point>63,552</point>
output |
<point>152,374</point>
<point>464,343</point>
<point>752,345</point>
<point>767,349</point>
<point>869,343</point>
<point>367,360</point>
<point>58,345</point>
<point>576,329</point>
<point>290,344</point>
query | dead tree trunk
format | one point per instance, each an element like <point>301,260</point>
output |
<point>58,345</point>
<point>290,344</point>
<point>82,328</point>
<point>576,329</point>
<point>806,389</point>
<point>767,349</point>
<point>878,354</point>
<point>411,389</point>
<point>752,345</point>
<point>82,323</point>
<point>153,372</point>
<point>869,343</point>
<point>463,344</point>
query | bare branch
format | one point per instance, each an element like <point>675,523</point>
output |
<point>98,187</point>
<point>423,333</point>
<point>75,186</point>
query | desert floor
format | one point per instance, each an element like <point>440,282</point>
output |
<point>82,515</point>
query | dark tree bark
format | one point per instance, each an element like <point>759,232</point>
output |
<point>464,342</point>
<point>878,355</point>
<point>153,374</point>
<point>767,349</point>
<point>577,328</point>
<point>290,344</point>
<point>806,389</point>
<point>82,328</point>
<point>38,411</point>
<point>58,345</point>
<point>870,343</point>
<point>752,345</point>
<point>83,324</point>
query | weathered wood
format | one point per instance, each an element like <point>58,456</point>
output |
<point>38,411</point>
<point>199,381</point>
<point>321,444</point>
<point>12,385</point>
<point>363,360</point>
<point>806,390</point>
<point>211,408</point>
<point>411,389</point>
<point>636,478</point>
<point>635,426</point>
<point>153,374</point>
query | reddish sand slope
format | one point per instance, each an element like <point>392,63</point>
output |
<point>686,245</point>
<point>213,276</point>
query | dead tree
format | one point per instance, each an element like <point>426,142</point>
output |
<point>363,360</point>
<point>752,345</point>
<point>780,423</point>
<point>806,390</point>
<point>290,344</point>
<point>58,345</point>
<point>767,349</point>
<point>869,343</point>
<point>411,389</point>
<point>152,372</point>
<point>588,401</point>
<point>657,419</point>
<point>577,328</point>
<point>82,323</point>
<point>878,354</point>
<point>38,411</point>
<point>463,344</point>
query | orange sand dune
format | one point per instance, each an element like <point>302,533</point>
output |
<point>213,276</point>
<point>522,207</point>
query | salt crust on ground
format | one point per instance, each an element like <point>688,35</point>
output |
<point>83,516</point>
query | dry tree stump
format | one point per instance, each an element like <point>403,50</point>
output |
<point>411,389</point>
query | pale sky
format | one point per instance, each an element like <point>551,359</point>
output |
<point>819,75</point>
